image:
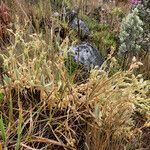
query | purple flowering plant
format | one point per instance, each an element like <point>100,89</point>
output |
<point>134,2</point>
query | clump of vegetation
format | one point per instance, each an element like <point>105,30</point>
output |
<point>131,32</point>
<point>43,107</point>
<point>134,36</point>
<point>134,29</point>
<point>144,14</point>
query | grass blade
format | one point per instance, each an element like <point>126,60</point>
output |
<point>3,131</point>
<point>19,131</point>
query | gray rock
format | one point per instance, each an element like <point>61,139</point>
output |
<point>86,54</point>
<point>71,16</point>
<point>80,27</point>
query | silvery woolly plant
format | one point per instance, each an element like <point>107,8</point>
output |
<point>135,28</point>
<point>144,14</point>
<point>130,34</point>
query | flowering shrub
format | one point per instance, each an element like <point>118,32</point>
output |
<point>134,2</point>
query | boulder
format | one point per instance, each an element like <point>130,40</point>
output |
<point>76,23</point>
<point>80,26</point>
<point>86,54</point>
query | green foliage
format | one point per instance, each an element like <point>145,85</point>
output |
<point>100,34</point>
<point>19,130</point>
<point>108,39</point>
<point>117,12</point>
<point>1,97</point>
<point>71,66</point>
<point>3,131</point>
<point>103,40</point>
<point>93,24</point>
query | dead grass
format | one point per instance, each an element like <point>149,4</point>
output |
<point>42,108</point>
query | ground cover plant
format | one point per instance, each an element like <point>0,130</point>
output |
<point>49,100</point>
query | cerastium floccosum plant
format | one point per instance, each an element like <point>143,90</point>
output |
<point>135,34</point>
<point>131,33</point>
<point>144,14</point>
<point>135,29</point>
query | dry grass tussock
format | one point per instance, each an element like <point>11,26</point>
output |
<point>42,108</point>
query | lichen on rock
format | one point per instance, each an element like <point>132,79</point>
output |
<point>86,54</point>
